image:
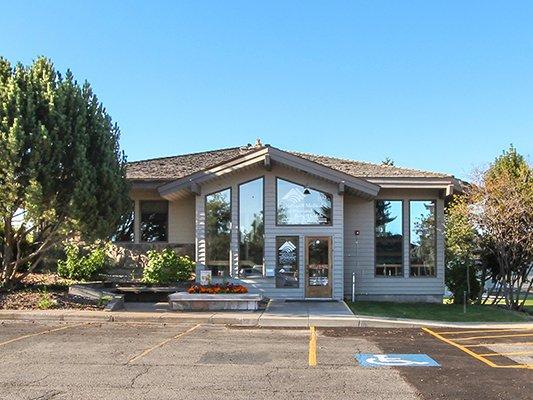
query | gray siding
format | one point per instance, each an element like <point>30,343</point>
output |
<point>359,215</point>
<point>267,285</point>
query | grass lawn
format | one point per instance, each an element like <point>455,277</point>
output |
<point>437,312</point>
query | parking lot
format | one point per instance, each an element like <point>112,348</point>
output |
<point>194,361</point>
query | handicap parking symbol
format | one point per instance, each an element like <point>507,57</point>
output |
<point>395,360</point>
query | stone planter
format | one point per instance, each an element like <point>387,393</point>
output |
<point>183,301</point>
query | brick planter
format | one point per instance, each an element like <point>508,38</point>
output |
<point>183,301</point>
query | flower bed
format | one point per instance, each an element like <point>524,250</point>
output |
<point>217,289</point>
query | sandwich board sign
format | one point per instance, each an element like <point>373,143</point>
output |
<point>395,360</point>
<point>205,277</point>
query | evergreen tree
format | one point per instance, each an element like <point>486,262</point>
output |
<point>62,173</point>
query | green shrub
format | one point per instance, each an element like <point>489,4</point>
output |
<point>455,278</point>
<point>167,267</point>
<point>82,264</point>
<point>46,301</point>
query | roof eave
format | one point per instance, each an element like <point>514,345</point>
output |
<point>267,155</point>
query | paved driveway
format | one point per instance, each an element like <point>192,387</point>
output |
<point>149,361</point>
<point>194,361</point>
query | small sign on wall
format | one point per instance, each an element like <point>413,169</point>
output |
<point>205,277</point>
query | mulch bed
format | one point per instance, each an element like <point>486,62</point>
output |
<point>36,287</point>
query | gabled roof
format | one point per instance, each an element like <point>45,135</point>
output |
<point>368,170</point>
<point>172,168</point>
<point>266,155</point>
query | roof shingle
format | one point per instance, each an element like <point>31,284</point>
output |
<point>170,168</point>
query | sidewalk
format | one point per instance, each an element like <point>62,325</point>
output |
<point>277,314</point>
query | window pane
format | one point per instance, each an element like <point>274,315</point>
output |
<point>389,238</point>
<point>218,232</point>
<point>318,262</point>
<point>299,205</point>
<point>287,261</point>
<point>125,229</point>
<point>251,229</point>
<point>154,221</point>
<point>422,233</point>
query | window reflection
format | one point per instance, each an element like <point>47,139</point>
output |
<point>300,205</point>
<point>318,262</point>
<point>251,229</point>
<point>125,229</point>
<point>287,261</point>
<point>218,232</point>
<point>389,237</point>
<point>154,221</point>
<point>422,233</point>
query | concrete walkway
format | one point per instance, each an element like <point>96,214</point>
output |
<point>307,313</point>
<point>278,313</point>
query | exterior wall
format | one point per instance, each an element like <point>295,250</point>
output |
<point>181,235</point>
<point>181,223</point>
<point>267,285</point>
<point>350,213</point>
<point>359,215</point>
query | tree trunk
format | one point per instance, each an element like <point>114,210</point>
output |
<point>9,254</point>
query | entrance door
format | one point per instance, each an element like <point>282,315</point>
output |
<point>318,267</point>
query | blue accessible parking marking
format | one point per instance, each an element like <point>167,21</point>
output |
<point>396,360</point>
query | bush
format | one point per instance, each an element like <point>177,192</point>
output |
<point>166,266</point>
<point>455,278</point>
<point>82,263</point>
<point>46,301</point>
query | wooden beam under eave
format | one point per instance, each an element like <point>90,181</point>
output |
<point>195,188</point>
<point>268,163</point>
<point>341,188</point>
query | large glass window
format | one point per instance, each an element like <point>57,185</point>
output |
<point>422,237</point>
<point>287,261</point>
<point>389,237</point>
<point>154,221</point>
<point>218,232</point>
<point>300,205</point>
<point>251,229</point>
<point>125,231</point>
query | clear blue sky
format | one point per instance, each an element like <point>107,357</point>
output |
<point>438,85</point>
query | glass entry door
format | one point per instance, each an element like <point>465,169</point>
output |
<point>318,267</point>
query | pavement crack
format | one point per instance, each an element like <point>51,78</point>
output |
<point>47,396</point>
<point>145,370</point>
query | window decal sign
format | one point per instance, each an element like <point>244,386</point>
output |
<point>395,360</point>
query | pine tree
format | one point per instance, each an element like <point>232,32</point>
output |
<point>62,173</point>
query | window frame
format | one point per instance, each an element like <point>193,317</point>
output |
<point>402,274</point>
<point>230,228</point>
<point>434,238</point>
<point>141,221</point>
<point>239,224</point>
<point>330,223</point>
<point>298,260</point>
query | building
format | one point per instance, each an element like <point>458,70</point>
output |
<point>294,225</point>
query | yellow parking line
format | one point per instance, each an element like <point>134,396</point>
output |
<point>492,344</point>
<point>460,347</point>
<point>484,330</point>
<point>494,336</point>
<point>477,356</point>
<point>62,328</point>
<point>150,349</point>
<point>312,346</point>
<point>512,353</point>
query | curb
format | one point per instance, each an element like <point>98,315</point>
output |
<point>241,319</point>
